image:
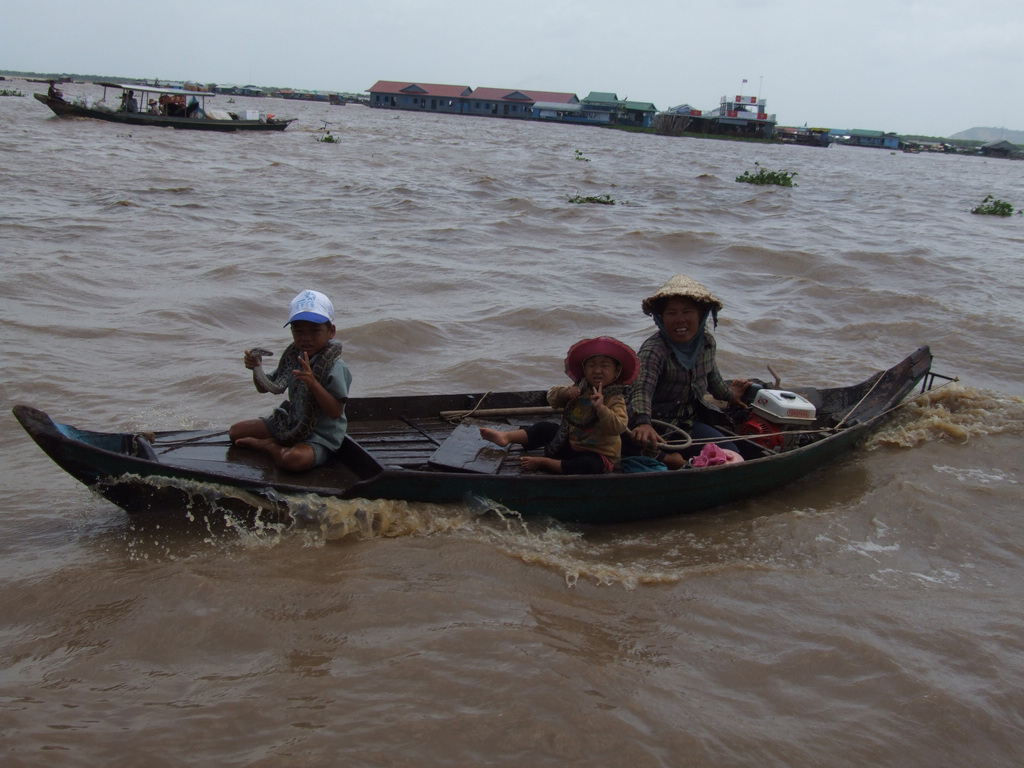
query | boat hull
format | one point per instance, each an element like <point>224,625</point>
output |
<point>391,439</point>
<point>611,498</point>
<point>63,108</point>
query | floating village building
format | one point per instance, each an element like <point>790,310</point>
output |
<point>745,116</point>
<point>595,109</point>
<point>1001,148</point>
<point>858,137</point>
<point>461,99</point>
<point>740,116</point>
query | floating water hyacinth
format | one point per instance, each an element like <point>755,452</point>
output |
<point>993,206</point>
<point>326,136</point>
<point>597,199</point>
<point>763,176</point>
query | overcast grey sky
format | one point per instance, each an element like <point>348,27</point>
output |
<point>931,68</point>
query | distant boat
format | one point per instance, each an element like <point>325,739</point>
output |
<point>811,137</point>
<point>163,107</point>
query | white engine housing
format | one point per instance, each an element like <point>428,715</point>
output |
<point>781,407</point>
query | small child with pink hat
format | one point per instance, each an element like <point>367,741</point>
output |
<point>587,441</point>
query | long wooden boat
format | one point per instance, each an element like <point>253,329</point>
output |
<point>413,449</point>
<point>170,114</point>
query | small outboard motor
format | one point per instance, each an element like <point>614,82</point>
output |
<point>774,415</point>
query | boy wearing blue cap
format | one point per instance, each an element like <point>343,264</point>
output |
<point>311,424</point>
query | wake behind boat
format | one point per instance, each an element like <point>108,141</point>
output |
<point>427,449</point>
<point>163,107</point>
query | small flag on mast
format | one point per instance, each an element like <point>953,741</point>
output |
<point>744,81</point>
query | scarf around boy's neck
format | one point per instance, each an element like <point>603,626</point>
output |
<point>686,353</point>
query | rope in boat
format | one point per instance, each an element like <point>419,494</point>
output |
<point>672,446</point>
<point>951,380</point>
<point>151,436</point>
<point>453,418</point>
<point>881,375</point>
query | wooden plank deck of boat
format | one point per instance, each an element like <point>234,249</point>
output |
<point>407,431</point>
<point>411,443</point>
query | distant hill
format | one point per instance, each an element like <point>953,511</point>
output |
<point>990,134</point>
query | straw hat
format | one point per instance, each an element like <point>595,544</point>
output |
<point>620,352</point>
<point>686,288</point>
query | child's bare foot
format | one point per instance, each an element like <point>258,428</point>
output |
<point>265,444</point>
<point>255,443</point>
<point>541,464</point>
<point>674,460</point>
<point>496,436</point>
<point>295,458</point>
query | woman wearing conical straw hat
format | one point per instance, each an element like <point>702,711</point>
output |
<point>678,367</point>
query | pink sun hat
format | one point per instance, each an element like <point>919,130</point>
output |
<point>621,353</point>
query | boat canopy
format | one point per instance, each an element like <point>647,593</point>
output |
<point>155,89</point>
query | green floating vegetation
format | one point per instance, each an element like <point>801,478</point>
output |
<point>11,92</point>
<point>764,176</point>
<point>597,199</point>
<point>581,156</point>
<point>992,206</point>
<point>326,136</point>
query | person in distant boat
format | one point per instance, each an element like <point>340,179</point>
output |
<point>587,442</point>
<point>677,368</point>
<point>154,108</point>
<point>54,92</point>
<point>192,108</point>
<point>128,102</point>
<point>172,106</point>
<point>305,429</point>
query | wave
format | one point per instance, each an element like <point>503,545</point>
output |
<point>952,412</point>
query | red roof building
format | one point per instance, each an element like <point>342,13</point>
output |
<point>503,102</point>
<point>461,99</point>
<point>418,96</point>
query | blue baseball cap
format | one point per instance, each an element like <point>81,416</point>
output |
<point>312,306</point>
